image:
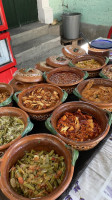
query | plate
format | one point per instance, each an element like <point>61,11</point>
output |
<point>101,44</point>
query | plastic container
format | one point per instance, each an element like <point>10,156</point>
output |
<point>71,24</point>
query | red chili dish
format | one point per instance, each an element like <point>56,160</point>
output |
<point>78,126</point>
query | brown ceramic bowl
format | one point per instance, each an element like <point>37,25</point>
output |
<point>9,89</point>
<point>87,108</point>
<point>45,113</point>
<point>98,52</point>
<point>12,111</point>
<point>19,86</point>
<point>43,67</point>
<point>92,72</point>
<point>68,83</point>
<point>97,81</point>
<point>71,51</point>
<point>28,75</point>
<point>106,72</point>
<point>37,142</point>
<point>57,61</point>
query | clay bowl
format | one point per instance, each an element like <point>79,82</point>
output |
<point>91,72</point>
<point>71,51</point>
<point>57,61</point>
<point>36,142</point>
<point>43,66</point>
<point>67,86</point>
<point>98,52</point>
<point>106,72</point>
<point>87,108</point>
<point>19,86</point>
<point>29,75</point>
<point>97,81</point>
<point>45,113</point>
<point>9,89</point>
<point>12,111</point>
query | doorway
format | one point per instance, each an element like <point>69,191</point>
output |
<point>20,12</point>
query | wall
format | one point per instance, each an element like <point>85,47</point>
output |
<point>98,12</point>
<point>96,15</point>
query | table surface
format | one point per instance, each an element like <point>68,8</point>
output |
<point>91,171</point>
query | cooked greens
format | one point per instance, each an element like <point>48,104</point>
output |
<point>37,174</point>
<point>10,128</point>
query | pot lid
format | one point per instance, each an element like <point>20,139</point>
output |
<point>28,75</point>
<point>19,86</point>
<point>101,44</point>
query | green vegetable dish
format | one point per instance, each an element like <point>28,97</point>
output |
<point>37,174</point>
<point>10,128</point>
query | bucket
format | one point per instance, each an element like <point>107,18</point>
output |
<point>70,25</point>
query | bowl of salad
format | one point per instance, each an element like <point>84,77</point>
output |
<point>39,166</point>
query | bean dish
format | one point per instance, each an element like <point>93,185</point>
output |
<point>64,77</point>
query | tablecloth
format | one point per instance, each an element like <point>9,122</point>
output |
<point>90,183</point>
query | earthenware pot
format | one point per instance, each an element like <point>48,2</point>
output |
<point>45,113</point>
<point>29,75</point>
<point>17,112</point>
<point>9,89</point>
<point>95,112</point>
<point>98,52</point>
<point>57,61</point>
<point>19,86</point>
<point>97,81</point>
<point>106,72</point>
<point>72,52</point>
<point>37,142</point>
<point>92,72</point>
<point>68,87</point>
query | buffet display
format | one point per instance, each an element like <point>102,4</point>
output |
<point>42,165</point>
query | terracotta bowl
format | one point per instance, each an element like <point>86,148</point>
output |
<point>91,72</point>
<point>87,108</point>
<point>19,86</point>
<point>97,81</point>
<point>12,111</point>
<point>40,114</point>
<point>106,72</point>
<point>71,51</point>
<point>29,75</point>
<point>9,89</point>
<point>57,61</point>
<point>36,142</point>
<point>68,87</point>
<point>43,66</point>
<point>98,52</point>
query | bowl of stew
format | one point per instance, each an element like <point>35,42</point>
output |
<point>40,100</point>
<point>106,72</point>
<point>14,124</point>
<point>6,93</point>
<point>97,91</point>
<point>39,166</point>
<point>66,77</point>
<point>79,124</point>
<point>89,63</point>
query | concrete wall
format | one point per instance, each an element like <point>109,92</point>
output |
<point>96,15</point>
<point>98,12</point>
